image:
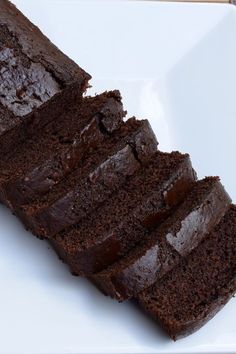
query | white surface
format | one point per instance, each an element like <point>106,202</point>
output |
<point>175,64</point>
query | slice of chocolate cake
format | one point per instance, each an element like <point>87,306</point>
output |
<point>36,79</point>
<point>190,295</point>
<point>203,207</point>
<point>98,176</point>
<point>43,160</point>
<point>119,224</point>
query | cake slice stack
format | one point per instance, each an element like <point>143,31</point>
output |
<point>43,160</point>
<point>165,246</point>
<point>190,295</point>
<point>120,223</point>
<point>107,167</point>
<point>133,219</point>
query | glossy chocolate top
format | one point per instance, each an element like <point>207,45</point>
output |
<point>32,69</point>
<point>24,85</point>
<point>38,48</point>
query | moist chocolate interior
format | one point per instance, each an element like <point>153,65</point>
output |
<point>199,191</point>
<point>55,138</point>
<point>119,207</point>
<point>120,273</point>
<point>184,295</point>
<point>80,174</point>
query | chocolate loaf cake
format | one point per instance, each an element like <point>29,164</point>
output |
<point>132,219</point>
<point>116,227</point>
<point>43,160</point>
<point>203,207</point>
<point>190,295</point>
<point>103,172</point>
<point>36,79</point>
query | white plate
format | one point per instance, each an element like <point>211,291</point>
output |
<point>175,64</point>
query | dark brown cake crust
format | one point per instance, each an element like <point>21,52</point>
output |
<point>190,295</point>
<point>106,236</point>
<point>77,134</point>
<point>37,79</point>
<point>134,150</point>
<point>203,207</point>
